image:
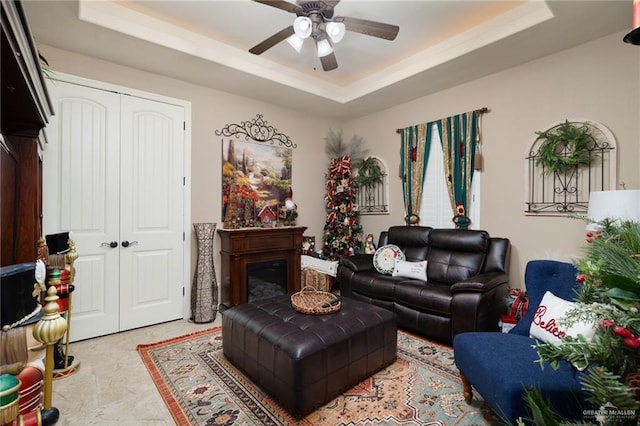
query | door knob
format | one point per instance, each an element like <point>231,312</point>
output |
<point>126,243</point>
<point>112,244</point>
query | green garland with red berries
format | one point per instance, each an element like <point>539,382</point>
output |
<point>609,297</point>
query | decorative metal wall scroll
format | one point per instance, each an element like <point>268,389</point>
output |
<point>372,198</point>
<point>258,130</point>
<point>565,190</point>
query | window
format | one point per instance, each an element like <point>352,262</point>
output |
<point>435,206</point>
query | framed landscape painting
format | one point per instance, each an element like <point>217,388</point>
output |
<point>256,180</point>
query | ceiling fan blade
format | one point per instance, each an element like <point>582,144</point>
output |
<point>370,28</point>
<point>281,4</point>
<point>329,62</point>
<point>272,41</point>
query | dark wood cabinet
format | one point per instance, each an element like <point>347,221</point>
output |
<point>243,247</point>
<point>25,111</point>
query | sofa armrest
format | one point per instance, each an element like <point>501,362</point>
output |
<point>481,283</point>
<point>358,263</point>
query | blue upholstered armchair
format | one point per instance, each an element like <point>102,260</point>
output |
<point>501,366</point>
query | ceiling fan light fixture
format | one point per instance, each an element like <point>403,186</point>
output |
<point>295,42</point>
<point>336,31</point>
<point>302,26</point>
<point>324,48</point>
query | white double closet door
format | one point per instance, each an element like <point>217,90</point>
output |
<point>114,177</point>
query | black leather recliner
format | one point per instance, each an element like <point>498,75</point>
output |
<point>466,287</point>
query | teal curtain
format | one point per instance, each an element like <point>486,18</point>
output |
<point>414,154</point>
<point>458,135</point>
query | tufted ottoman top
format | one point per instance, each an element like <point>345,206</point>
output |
<point>275,319</point>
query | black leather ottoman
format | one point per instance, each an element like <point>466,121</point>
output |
<point>304,361</point>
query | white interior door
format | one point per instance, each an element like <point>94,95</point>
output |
<point>81,187</point>
<point>152,214</point>
<point>114,174</point>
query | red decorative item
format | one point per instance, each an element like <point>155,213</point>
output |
<point>519,302</point>
<point>622,332</point>
<point>30,394</point>
<point>507,322</point>
<point>631,343</point>
<point>607,323</point>
<point>63,304</point>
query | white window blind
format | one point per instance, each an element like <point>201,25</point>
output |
<point>435,206</point>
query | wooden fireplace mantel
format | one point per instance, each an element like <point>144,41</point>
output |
<point>241,247</point>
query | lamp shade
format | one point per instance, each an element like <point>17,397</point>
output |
<point>324,48</point>
<point>295,42</point>
<point>634,36</point>
<point>622,205</point>
<point>302,26</point>
<point>336,31</point>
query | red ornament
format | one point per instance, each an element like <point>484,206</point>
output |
<point>580,278</point>
<point>607,323</point>
<point>622,332</point>
<point>631,343</point>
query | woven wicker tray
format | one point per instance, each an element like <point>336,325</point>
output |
<point>310,301</point>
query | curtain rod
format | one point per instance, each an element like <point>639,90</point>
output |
<point>482,110</point>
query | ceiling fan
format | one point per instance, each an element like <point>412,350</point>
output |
<point>315,19</point>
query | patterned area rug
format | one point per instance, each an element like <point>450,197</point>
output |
<point>201,388</point>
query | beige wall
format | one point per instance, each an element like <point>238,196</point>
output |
<point>599,80</point>
<point>211,111</point>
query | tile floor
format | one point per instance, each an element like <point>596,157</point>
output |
<point>112,386</point>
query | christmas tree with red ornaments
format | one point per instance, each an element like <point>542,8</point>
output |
<point>342,230</point>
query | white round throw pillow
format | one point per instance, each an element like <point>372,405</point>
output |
<point>384,259</point>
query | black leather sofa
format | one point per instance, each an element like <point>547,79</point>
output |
<point>466,287</point>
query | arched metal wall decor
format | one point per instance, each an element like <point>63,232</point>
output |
<point>372,199</point>
<point>258,130</point>
<point>565,190</point>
